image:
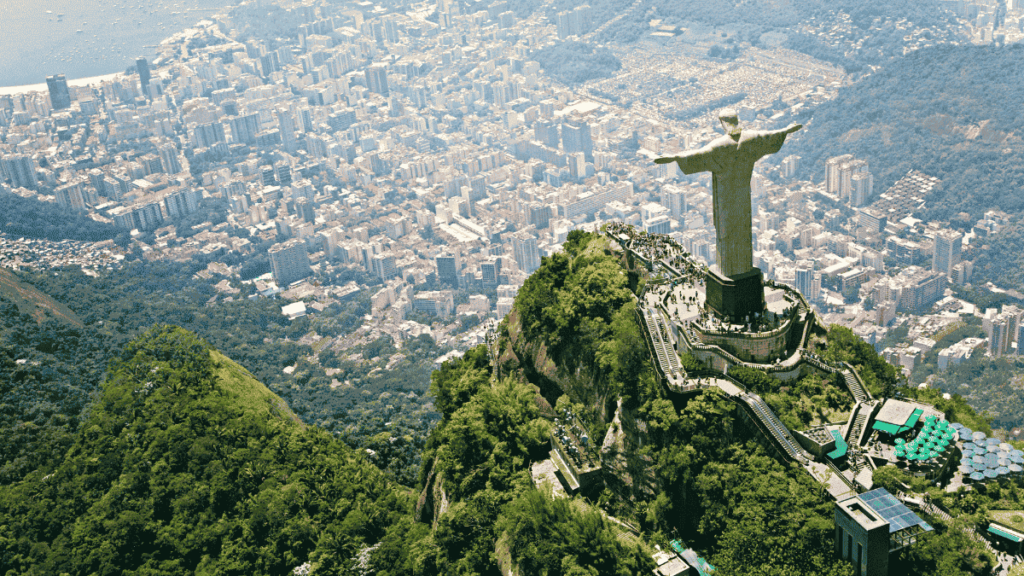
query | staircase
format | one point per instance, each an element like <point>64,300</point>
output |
<point>853,382</point>
<point>861,415</point>
<point>664,354</point>
<point>855,386</point>
<point>774,426</point>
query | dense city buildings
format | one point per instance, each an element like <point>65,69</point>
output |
<point>391,174</point>
<point>418,154</point>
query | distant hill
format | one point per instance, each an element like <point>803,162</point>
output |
<point>188,465</point>
<point>850,33</point>
<point>34,302</point>
<point>947,111</point>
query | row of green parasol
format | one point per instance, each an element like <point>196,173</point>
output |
<point>934,438</point>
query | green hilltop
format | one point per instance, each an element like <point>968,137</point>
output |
<point>187,464</point>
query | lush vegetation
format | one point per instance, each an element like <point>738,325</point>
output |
<point>490,432</point>
<point>1001,261</point>
<point>579,306</point>
<point>725,494</point>
<point>186,464</point>
<point>880,377</point>
<point>705,481</point>
<point>31,218</point>
<point>44,397</point>
<point>813,400</point>
<point>931,105</point>
<point>991,385</point>
<point>576,62</point>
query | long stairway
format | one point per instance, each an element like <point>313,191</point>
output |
<point>774,426</point>
<point>862,413</point>
<point>856,387</point>
<point>662,328</point>
<point>859,393</point>
<point>971,532</point>
<point>664,353</point>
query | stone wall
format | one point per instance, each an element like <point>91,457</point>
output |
<point>750,347</point>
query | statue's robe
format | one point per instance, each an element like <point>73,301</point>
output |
<point>731,163</point>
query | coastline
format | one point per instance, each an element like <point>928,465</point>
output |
<point>41,87</point>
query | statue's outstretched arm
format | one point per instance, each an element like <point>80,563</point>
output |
<point>763,142</point>
<point>689,162</point>
<point>788,129</point>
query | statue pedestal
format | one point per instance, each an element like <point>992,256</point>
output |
<point>736,297</point>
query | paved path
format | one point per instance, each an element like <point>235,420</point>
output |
<point>543,472</point>
<point>835,485</point>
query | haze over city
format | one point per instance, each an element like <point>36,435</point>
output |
<point>431,241</point>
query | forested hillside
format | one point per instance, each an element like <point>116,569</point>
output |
<point>1000,258</point>
<point>188,465</point>
<point>31,218</point>
<point>849,33</point>
<point>945,109</point>
<point>62,363</point>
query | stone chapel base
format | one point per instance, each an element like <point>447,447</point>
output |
<point>735,298</point>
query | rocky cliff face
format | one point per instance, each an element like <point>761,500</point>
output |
<point>433,500</point>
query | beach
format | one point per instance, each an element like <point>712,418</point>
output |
<point>5,90</point>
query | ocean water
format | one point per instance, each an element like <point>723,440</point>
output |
<point>93,37</point>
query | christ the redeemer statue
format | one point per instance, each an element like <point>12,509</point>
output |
<point>731,159</point>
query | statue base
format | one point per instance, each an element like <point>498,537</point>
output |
<point>737,297</point>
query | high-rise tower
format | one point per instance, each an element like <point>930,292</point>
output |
<point>60,96</point>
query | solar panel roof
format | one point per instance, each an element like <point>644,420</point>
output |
<point>892,510</point>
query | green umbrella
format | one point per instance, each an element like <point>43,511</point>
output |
<point>900,441</point>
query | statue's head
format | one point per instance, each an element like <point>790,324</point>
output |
<point>730,121</point>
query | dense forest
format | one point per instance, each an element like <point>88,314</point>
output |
<point>944,108</point>
<point>868,32</point>
<point>187,465</point>
<point>575,62</point>
<point>1000,257</point>
<point>31,218</point>
<point>63,364</point>
<point>181,462</point>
